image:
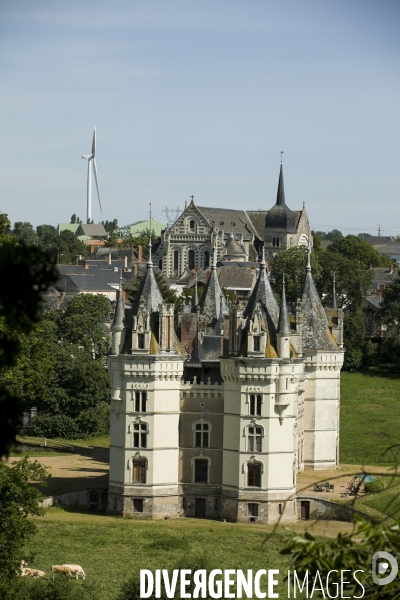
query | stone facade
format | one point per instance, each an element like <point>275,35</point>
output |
<point>216,419</point>
<point>237,235</point>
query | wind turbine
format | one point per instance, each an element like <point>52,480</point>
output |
<point>92,158</point>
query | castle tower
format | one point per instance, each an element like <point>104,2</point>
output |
<point>323,362</point>
<point>146,378</point>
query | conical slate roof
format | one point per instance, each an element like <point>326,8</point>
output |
<point>263,294</point>
<point>210,302</point>
<point>118,323</point>
<point>283,324</point>
<point>149,290</point>
<point>280,217</point>
<point>315,330</point>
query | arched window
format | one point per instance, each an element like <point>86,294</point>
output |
<point>138,470</point>
<point>140,435</point>
<point>277,242</point>
<point>191,259</point>
<point>160,264</point>
<point>191,226</point>
<point>254,437</point>
<point>176,260</point>
<point>141,341</point>
<point>254,475</point>
<point>206,259</point>
<point>273,241</point>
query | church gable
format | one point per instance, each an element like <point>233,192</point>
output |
<point>191,221</point>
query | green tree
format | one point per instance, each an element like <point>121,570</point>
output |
<point>5,230</point>
<point>25,233</point>
<point>141,239</point>
<point>69,247</point>
<point>389,316</point>
<point>81,323</point>
<point>334,235</point>
<point>292,263</point>
<point>360,251</point>
<point>18,500</point>
<point>47,236</point>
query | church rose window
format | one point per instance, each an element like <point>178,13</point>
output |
<point>254,475</point>
<point>139,471</point>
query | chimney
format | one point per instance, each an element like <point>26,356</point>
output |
<point>134,269</point>
<point>78,258</point>
<point>139,253</point>
<point>109,258</point>
<point>86,264</point>
<point>125,262</point>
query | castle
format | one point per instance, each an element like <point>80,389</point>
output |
<point>215,418</point>
<point>235,234</point>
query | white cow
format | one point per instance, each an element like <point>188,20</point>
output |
<point>77,569</point>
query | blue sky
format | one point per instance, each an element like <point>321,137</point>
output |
<point>199,97</point>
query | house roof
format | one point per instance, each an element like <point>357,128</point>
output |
<point>233,248</point>
<point>263,294</point>
<point>235,221</point>
<point>92,229</point>
<point>99,277</point>
<point>280,217</point>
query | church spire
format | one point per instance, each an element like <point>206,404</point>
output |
<point>118,322</point>
<point>263,294</point>
<point>280,197</point>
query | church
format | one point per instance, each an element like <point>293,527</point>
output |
<point>236,235</point>
<point>215,418</point>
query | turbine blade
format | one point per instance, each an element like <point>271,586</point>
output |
<point>97,182</point>
<point>94,143</point>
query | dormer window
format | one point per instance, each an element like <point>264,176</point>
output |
<point>256,343</point>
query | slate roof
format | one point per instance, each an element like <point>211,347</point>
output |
<point>232,247</point>
<point>280,217</point>
<point>212,299</point>
<point>99,277</point>
<point>235,221</point>
<point>383,276</point>
<point>283,323</point>
<point>315,330</point>
<point>263,294</point>
<point>374,301</point>
<point>119,316</point>
<point>101,253</point>
<point>150,291</point>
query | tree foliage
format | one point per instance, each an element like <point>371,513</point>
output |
<point>389,315</point>
<point>69,247</point>
<point>358,250</point>
<point>18,500</point>
<point>141,239</point>
<point>292,263</point>
<point>25,233</point>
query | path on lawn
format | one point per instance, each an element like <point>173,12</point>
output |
<point>86,467</point>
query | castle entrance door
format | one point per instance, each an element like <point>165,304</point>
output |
<point>200,508</point>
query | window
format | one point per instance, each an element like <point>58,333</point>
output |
<point>274,241</point>
<point>140,401</point>
<point>191,226</point>
<point>201,435</point>
<point>280,509</point>
<point>277,242</point>
<point>140,435</point>
<point>141,341</point>
<point>253,509</point>
<point>254,439</point>
<point>206,259</point>
<point>139,471</point>
<point>160,264</point>
<point>254,475</point>
<point>256,343</point>
<point>201,471</point>
<point>176,260</point>
<point>191,260</point>
<point>138,505</point>
<point>255,405</point>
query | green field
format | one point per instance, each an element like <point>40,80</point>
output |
<point>112,549</point>
<point>369,417</point>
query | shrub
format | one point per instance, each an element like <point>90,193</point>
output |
<point>374,487</point>
<point>53,426</point>
<point>94,421</point>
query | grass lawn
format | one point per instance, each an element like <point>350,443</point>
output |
<point>111,549</point>
<point>369,417</point>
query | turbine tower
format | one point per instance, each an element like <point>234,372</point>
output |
<point>91,158</point>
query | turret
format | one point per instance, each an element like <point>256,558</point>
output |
<point>118,326</point>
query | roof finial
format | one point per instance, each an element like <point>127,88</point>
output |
<point>334,302</point>
<point>214,260</point>
<point>282,152</point>
<point>120,281</point>
<point>308,268</point>
<point>149,261</point>
<point>263,264</point>
<point>192,197</point>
